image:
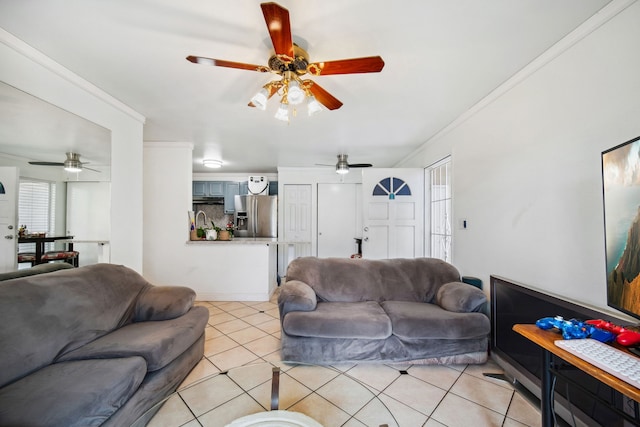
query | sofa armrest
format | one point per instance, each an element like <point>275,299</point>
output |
<point>461,298</point>
<point>296,296</point>
<point>163,303</point>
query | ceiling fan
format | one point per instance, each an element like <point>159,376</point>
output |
<point>290,61</point>
<point>342,166</point>
<point>71,164</point>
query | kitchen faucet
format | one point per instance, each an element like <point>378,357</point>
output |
<point>204,223</point>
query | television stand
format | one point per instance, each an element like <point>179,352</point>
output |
<point>545,339</point>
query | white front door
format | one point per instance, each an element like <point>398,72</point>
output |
<point>8,218</point>
<point>393,201</point>
<point>338,213</point>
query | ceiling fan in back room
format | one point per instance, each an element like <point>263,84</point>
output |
<point>291,62</point>
<point>342,166</point>
<point>71,164</point>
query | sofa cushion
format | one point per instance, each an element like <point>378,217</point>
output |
<point>158,342</point>
<point>61,311</point>
<point>81,393</point>
<point>163,303</point>
<point>352,280</point>
<point>296,296</point>
<point>414,320</point>
<point>48,267</point>
<point>460,297</point>
<point>340,320</point>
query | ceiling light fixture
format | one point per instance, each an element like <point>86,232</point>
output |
<point>260,99</point>
<point>342,167</point>
<point>292,91</point>
<point>210,163</point>
<point>73,164</point>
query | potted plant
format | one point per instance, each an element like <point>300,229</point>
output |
<point>227,233</point>
<point>213,232</point>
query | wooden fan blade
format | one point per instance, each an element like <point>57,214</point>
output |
<point>324,97</point>
<point>360,165</point>
<point>370,64</point>
<point>279,26</point>
<point>229,64</point>
<point>47,163</point>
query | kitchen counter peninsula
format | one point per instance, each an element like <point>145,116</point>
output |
<point>238,240</point>
<point>240,269</point>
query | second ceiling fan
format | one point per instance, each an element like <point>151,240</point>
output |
<point>290,61</point>
<point>343,165</point>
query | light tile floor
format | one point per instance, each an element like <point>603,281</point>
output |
<point>244,333</point>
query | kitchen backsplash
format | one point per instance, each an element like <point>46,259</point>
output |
<point>214,213</point>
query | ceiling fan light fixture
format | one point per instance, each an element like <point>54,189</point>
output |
<point>295,94</point>
<point>342,168</point>
<point>260,99</point>
<point>205,61</point>
<point>283,112</point>
<point>70,167</point>
<point>73,164</point>
<point>211,163</point>
<point>313,106</point>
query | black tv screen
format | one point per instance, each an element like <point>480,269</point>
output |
<point>621,195</point>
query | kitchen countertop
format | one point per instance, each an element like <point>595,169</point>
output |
<point>236,240</point>
<point>245,241</point>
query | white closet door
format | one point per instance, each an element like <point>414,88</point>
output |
<point>337,220</point>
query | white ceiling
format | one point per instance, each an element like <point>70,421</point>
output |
<point>441,57</point>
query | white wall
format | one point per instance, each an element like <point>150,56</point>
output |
<point>28,70</point>
<point>167,199</point>
<point>220,271</point>
<point>527,172</point>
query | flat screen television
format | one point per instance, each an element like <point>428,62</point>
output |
<point>621,195</point>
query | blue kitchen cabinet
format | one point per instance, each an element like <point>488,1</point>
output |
<point>216,188</point>
<point>231,190</point>
<point>200,188</point>
<point>208,189</point>
<point>244,188</point>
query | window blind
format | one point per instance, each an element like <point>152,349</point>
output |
<point>36,209</point>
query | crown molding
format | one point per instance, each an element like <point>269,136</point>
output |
<point>41,59</point>
<point>586,28</point>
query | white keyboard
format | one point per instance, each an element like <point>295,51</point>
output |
<point>622,365</point>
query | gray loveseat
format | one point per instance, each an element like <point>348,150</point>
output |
<point>336,310</point>
<point>95,345</point>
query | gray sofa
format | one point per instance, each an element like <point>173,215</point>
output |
<point>95,345</point>
<point>335,310</point>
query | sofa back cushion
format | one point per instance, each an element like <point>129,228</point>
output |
<point>351,280</point>
<point>47,315</point>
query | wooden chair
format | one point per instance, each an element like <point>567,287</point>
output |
<point>29,257</point>
<point>70,257</point>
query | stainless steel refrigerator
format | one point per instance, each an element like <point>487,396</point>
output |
<point>256,216</point>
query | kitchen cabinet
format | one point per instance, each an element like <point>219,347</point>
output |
<point>208,189</point>
<point>231,190</point>
<point>244,188</point>
<point>273,188</point>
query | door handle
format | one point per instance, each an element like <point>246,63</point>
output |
<point>366,229</point>
<point>366,239</point>
<point>9,236</point>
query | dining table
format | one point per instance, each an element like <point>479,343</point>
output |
<point>40,241</point>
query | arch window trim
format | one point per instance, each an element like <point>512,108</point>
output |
<point>391,187</point>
